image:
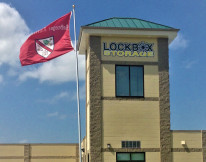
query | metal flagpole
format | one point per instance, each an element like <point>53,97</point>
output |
<point>77,80</point>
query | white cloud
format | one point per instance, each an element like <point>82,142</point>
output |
<point>61,95</point>
<point>179,42</point>
<point>1,79</point>
<point>59,70</point>
<point>14,31</point>
<point>23,141</point>
<point>189,63</point>
<point>53,114</point>
<point>12,72</point>
<point>56,98</point>
<point>57,115</point>
<point>69,96</point>
<point>62,116</point>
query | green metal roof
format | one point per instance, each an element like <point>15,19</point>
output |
<point>117,22</point>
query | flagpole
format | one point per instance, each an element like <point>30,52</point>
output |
<point>77,80</point>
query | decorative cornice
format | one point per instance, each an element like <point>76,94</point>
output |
<point>131,98</point>
<point>12,157</point>
<point>186,149</point>
<point>130,150</point>
<point>129,62</point>
<point>54,157</point>
<point>150,150</point>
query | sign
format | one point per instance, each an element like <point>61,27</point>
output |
<point>141,49</point>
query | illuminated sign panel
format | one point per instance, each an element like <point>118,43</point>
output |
<point>141,49</point>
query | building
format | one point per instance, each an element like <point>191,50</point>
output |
<point>127,101</point>
<point>39,153</point>
<point>127,95</point>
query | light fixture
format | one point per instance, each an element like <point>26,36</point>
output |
<point>83,149</point>
<point>183,143</point>
<point>108,145</point>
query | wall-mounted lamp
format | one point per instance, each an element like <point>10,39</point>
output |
<point>108,145</point>
<point>83,149</point>
<point>183,143</point>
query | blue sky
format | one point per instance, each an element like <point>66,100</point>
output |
<point>38,104</point>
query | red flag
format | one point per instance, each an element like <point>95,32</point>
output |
<point>48,43</point>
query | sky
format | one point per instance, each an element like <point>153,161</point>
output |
<point>38,102</point>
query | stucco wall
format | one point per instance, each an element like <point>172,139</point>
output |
<point>191,151</point>
<point>131,121</point>
<point>39,153</point>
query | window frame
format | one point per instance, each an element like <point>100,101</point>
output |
<point>131,157</point>
<point>129,81</point>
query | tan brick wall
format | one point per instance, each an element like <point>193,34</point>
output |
<point>131,120</point>
<point>39,153</point>
<point>87,77</point>
<point>151,81</point>
<point>108,80</point>
<point>193,139</point>
<point>43,150</point>
<point>12,160</point>
<point>11,150</point>
<point>53,160</point>
<point>187,157</point>
<point>88,108</point>
<point>152,157</point>
<point>109,156</point>
<point>88,128</point>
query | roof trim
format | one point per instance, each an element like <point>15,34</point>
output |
<point>42,144</point>
<point>118,28</point>
<point>185,131</point>
<point>128,18</point>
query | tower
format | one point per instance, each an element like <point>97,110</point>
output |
<point>127,90</point>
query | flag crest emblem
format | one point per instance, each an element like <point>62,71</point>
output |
<point>44,47</point>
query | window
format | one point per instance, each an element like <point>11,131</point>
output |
<point>131,157</point>
<point>130,144</point>
<point>129,81</point>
